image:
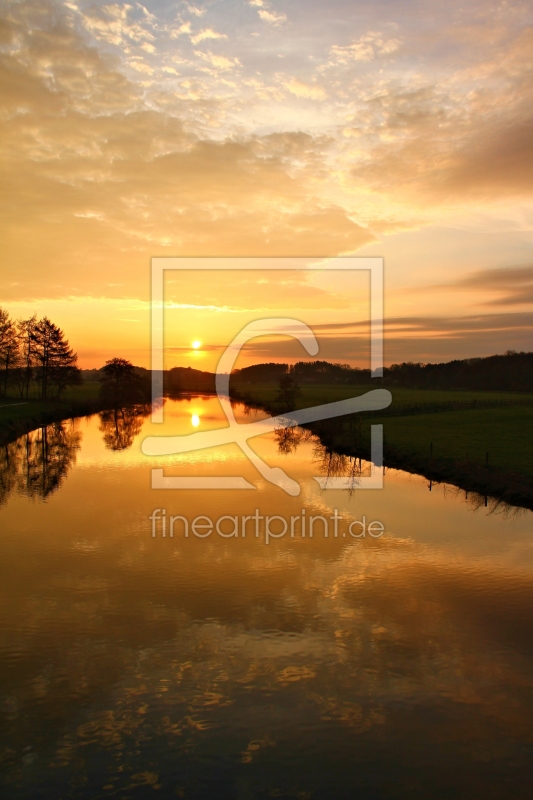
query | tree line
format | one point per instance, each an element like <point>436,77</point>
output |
<point>511,371</point>
<point>313,372</point>
<point>35,358</point>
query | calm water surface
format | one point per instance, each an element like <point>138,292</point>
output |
<point>135,666</point>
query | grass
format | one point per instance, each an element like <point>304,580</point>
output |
<point>452,444</point>
<point>329,393</point>
<point>18,416</point>
<point>505,434</point>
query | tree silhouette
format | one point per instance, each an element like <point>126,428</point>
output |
<point>121,385</point>
<point>288,393</point>
<point>56,361</point>
<point>120,426</point>
<point>50,453</point>
<point>289,439</point>
<point>36,464</point>
<point>10,466</point>
<point>9,348</point>
<point>27,345</point>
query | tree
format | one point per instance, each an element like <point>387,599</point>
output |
<point>26,329</point>
<point>120,384</point>
<point>55,358</point>
<point>288,392</point>
<point>9,347</point>
<point>65,376</point>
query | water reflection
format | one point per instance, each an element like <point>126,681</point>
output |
<point>311,667</point>
<point>289,439</point>
<point>328,463</point>
<point>120,426</point>
<point>335,465</point>
<point>37,464</point>
<point>478,502</point>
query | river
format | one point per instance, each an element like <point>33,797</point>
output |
<point>388,655</point>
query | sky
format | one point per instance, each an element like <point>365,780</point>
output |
<point>269,129</point>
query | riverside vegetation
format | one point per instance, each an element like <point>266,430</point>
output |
<point>41,383</point>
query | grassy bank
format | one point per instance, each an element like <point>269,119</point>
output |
<point>19,416</point>
<point>325,393</point>
<point>480,441</point>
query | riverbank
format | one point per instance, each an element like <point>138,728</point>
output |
<point>481,442</point>
<point>18,416</point>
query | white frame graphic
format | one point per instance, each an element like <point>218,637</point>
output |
<point>237,433</point>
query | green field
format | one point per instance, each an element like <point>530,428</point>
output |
<point>459,435</point>
<point>19,407</point>
<point>18,415</point>
<point>326,393</point>
<point>505,434</point>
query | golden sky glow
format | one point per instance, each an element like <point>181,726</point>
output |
<point>269,128</point>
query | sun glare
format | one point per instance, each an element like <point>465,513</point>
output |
<point>195,420</point>
<point>196,344</point>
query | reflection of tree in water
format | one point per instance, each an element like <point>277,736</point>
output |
<point>289,439</point>
<point>36,464</point>
<point>120,426</point>
<point>335,465</point>
<point>10,464</point>
<point>478,501</point>
<point>49,453</point>
<point>330,464</point>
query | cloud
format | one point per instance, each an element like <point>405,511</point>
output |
<point>207,33</point>
<point>273,17</point>
<point>300,89</point>
<point>465,138</point>
<point>140,66</point>
<point>437,325</point>
<point>258,293</point>
<point>197,12</point>
<point>184,28</point>
<point>99,181</point>
<point>415,338</point>
<point>112,24</point>
<point>217,61</point>
<point>369,46</point>
<point>495,163</point>
<point>514,285</point>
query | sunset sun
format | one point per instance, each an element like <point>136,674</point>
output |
<point>196,344</point>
